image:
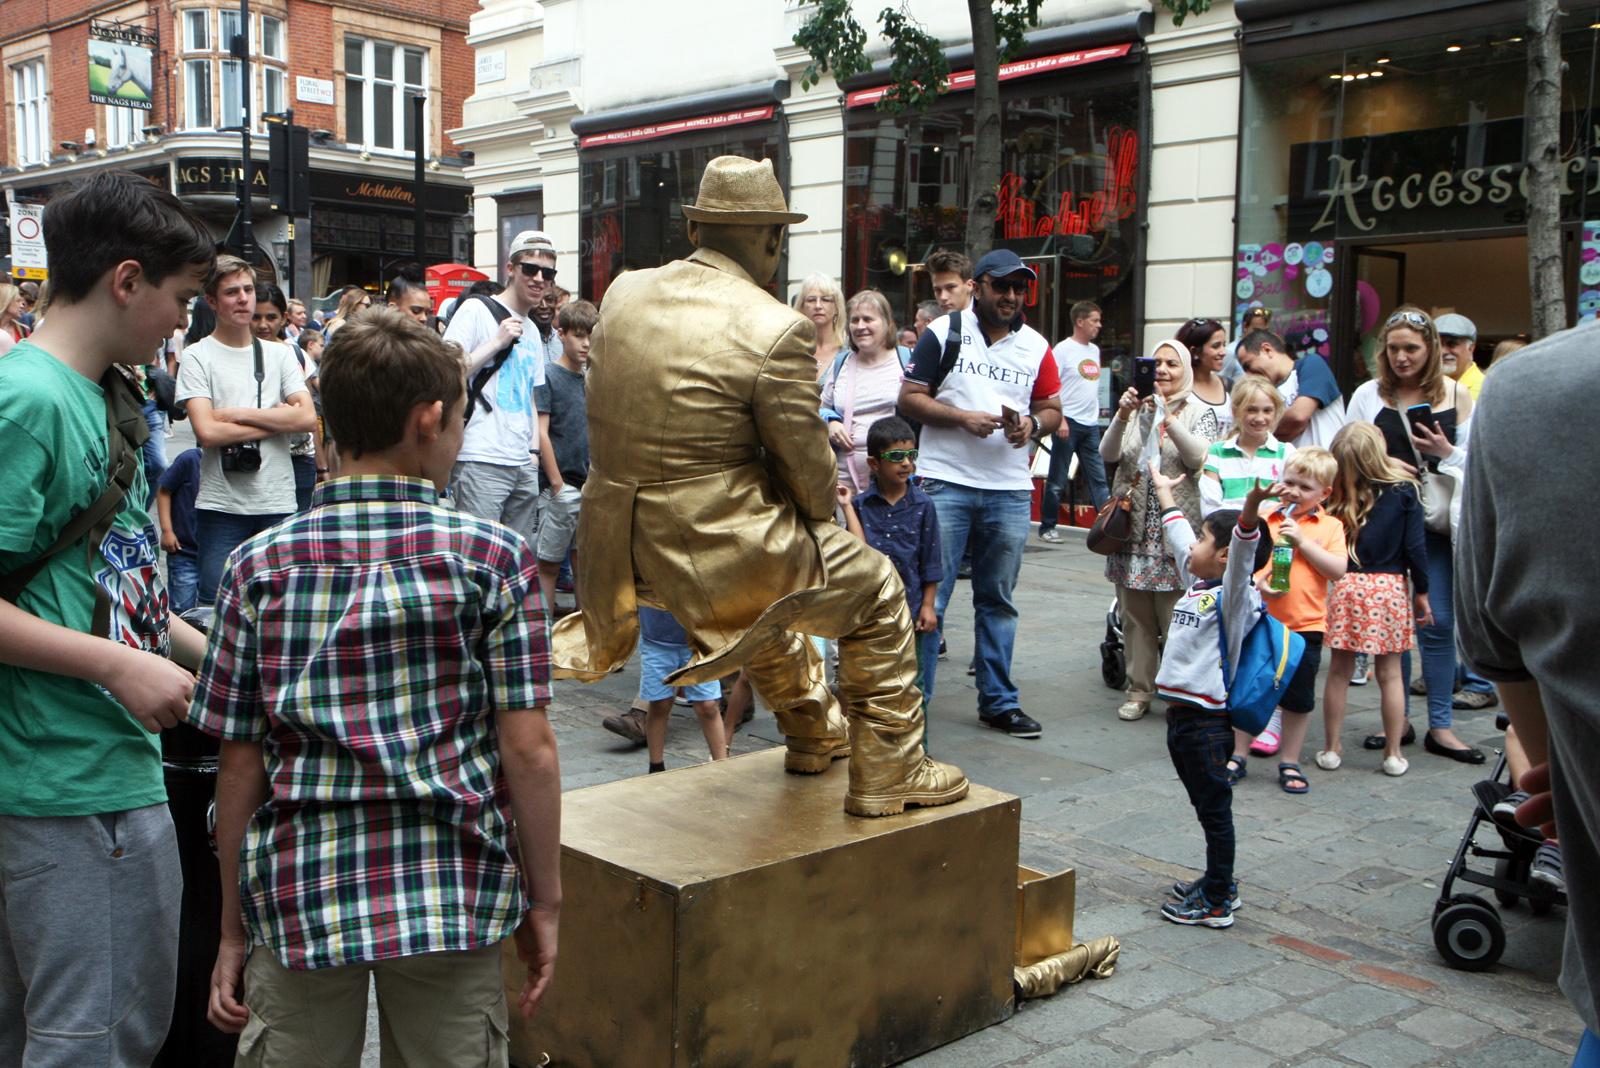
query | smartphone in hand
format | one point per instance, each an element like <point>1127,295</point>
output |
<point>1419,415</point>
<point>1144,375</point>
<point>1009,418</point>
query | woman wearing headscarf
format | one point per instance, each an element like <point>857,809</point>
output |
<point>1145,572</point>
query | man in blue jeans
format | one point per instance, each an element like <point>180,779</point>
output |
<point>1078,361</point>
<point>242,422</point>
<point>999,393</point>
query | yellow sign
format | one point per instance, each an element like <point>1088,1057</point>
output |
<point>38,274</point>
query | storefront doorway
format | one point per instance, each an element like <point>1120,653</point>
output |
<point>1483,278</point>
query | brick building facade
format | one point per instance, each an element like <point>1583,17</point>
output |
<point>347,71</point>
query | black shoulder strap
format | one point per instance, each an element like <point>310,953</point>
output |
<point>952,349</point>
<point>255,345</point>
<point>126,433</point>
<point>480,381</point>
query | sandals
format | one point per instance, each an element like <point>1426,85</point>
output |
<point>1291,780</point>
<point>1265,743</point>
<point>1238,768</point>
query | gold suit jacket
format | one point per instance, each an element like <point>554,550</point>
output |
<point>711,480</point>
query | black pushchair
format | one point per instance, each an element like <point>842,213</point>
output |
<point>1467,929</point>
<point>1113,659</point>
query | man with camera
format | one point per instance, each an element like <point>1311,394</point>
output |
<point>246,399</point>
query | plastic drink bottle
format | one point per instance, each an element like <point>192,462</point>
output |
<point>1282,560</point>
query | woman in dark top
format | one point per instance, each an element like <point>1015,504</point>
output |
<point>1369,611</point>
<point>1411,373</point>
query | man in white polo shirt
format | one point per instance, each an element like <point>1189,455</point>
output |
<point>977,415</point>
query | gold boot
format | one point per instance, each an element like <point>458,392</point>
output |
<point>930,783</point>
<point>812,756</point>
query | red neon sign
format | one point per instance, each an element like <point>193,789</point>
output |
<point>678,126</point>
<point>1022,68</point>
<point>1117,198</point>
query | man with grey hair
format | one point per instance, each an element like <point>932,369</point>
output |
<point>496,476</point>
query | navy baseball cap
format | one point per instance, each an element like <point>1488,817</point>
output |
<point>1002,263</point>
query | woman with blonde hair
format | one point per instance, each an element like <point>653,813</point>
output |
<point>863,385</point>
<point>822,301</point>
<point>353,299</point>
<point>1423,415</point>
<point>1145,572</point>
<point>1369,610</point>
<point>11,329</point>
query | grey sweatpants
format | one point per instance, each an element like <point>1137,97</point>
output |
<point>88,938</point>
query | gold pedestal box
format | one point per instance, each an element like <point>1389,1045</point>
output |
<point>730,914</point>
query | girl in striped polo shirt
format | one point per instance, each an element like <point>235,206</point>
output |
<point>1249,452</point>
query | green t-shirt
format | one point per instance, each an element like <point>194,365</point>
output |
<point>67,748</point>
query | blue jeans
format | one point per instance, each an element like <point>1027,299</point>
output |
<point>1084,440</point>
<point>305,481</point>
<point>1199,743</point>
<point>183,581</point>
<point>218,534</point>
<point>1438,642</point>
<point>1588,1055</point>
<point>998,521</point>
<point>155,446</point>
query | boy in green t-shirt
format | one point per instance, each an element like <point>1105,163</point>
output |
<point>89,914</point>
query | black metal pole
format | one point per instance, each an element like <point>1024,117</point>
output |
<point>420,185</point>
<point>241,50</point>
<point>288,142</point>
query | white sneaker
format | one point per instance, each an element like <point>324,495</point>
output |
<point>1396,766</point>
<point>1358,674</point>
<point>1328,760</point>
<point>1132,710</point>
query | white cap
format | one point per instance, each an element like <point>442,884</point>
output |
<point>531,241</point>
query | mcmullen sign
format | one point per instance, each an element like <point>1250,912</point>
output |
<point>1424,181</point>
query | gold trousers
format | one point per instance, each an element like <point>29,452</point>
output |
<point>864,609</point>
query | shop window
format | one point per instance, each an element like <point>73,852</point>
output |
<point>631,204</point>
<point>1365,171</point>
<point>1069,200</point>
<point>123,126</point>
<point>30,92</point>
<point>381,79</point>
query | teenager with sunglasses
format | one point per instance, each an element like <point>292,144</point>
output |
<point>507,439</point>
<point>1411,373</point>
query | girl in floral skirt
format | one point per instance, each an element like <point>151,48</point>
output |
<point>1370,611</point>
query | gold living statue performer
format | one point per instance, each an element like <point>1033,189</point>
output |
<point>711,494</point>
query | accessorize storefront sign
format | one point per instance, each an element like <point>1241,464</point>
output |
<point>678,126</point>
<point>1457,177</point>
<point>120,62</point>
<point>1022,68</point>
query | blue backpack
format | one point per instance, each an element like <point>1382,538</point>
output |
<point>1267,661</point>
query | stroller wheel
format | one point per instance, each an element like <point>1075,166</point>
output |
<point>1512,871</point>
<point>1113,666</point>
<point>1468,934</point>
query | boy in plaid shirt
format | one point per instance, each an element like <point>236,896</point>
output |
<point>378,672</point>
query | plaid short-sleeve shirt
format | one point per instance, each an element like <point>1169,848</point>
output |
<point>366,644</point>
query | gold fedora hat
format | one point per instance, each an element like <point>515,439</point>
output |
<point>740,191</point>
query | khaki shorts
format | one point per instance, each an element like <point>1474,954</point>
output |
<point>435,1010</point>
<point>558,523</point>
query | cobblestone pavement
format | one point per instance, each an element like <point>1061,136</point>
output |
<point>1330,961</point>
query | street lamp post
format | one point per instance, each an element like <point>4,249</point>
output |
<point>420,182</point>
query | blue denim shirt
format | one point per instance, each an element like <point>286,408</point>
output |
<point>907,533</point>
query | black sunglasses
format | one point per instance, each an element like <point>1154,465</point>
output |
<point>1011,285</point>
<point>530,270</point>
<point>895,456</point>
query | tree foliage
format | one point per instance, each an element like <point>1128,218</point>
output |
<point>918,69</point>
<point>1182,9</point>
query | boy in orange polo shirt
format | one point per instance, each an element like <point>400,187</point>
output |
<point>1320,558</point>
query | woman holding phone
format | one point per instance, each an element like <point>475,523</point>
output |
<point>1423,415</point>
<point>1145,573</point>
